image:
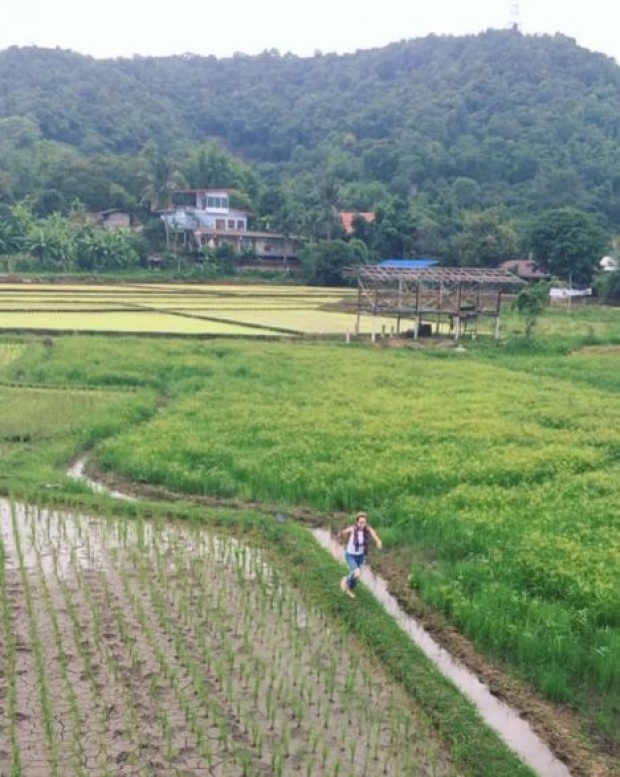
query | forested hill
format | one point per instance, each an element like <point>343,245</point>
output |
<point>499,117</point>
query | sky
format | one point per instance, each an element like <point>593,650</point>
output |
<point>124,28</point>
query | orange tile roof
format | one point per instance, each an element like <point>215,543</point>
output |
<point>347,216</point>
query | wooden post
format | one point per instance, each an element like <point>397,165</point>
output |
<point>498,310</point>
<point>417,310</point>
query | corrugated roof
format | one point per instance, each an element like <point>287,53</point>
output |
<point>524,268</point>
<point>408,263</point>
<point>375,274</point>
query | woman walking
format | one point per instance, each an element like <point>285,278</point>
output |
<point>356,552</point>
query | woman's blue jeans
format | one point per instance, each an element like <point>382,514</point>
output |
<point>354,561</point>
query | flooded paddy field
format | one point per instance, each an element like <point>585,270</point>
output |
<point>141,648</point>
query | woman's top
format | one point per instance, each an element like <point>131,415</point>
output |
<point>358,541</point>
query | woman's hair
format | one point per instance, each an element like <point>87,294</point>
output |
<point>361,514</point>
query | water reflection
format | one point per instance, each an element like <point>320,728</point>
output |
<point>515,731</point>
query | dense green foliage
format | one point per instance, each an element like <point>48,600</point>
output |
<point>565,241</point>
<point>530,302</point>
<point>608,286</point>
<point>57,244</point>
<point>456,142</point>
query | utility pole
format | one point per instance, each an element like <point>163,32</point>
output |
<point>514,17</point>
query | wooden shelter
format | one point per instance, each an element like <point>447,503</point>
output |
<point>460,296</point>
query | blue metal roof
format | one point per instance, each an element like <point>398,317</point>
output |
<point>409,263</point>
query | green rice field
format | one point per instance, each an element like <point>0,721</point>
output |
<point>491,471</point>
<point>206,310</point>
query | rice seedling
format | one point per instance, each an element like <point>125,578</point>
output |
<point>38,652</point>
<point>78,752</point>
<point>9,660</point>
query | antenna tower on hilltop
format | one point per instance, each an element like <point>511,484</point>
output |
<point>514,16</point>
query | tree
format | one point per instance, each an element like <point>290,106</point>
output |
<point>52,242</point>
<point>487,239</point>
<point>608,286</point>
<point>530,302</point>
<point>568,243</point>
<point>324,262</point>
<point>14,225</point>
<point>48,201</point>
<point>362,229</point>
<point>394,232</point>
<point>101,250</point>
<point>329,200</point>
<point>162,178</point>
<point>465,192</point>
<point>211,166</point>
<point>119,249</point>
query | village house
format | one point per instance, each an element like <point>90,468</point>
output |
<point>526,269</point>
<point>347,218</point>
<point>609,264</point>
<point>113,219</point>
<point>202,218</point>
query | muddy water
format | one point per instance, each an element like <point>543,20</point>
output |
<point>95,630</point>
<point>77,473</point>
<point>515,731</point>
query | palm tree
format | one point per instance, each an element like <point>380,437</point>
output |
<point>329,195</point>
<point>162,178</point>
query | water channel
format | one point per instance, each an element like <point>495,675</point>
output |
<point>515,732</point>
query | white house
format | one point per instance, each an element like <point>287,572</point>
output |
<point>203,218</point>
<point>213,205</point>
<point>609,264</point>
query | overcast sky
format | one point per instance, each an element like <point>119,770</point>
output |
<point>122,28</point>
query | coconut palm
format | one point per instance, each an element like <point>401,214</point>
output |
<point>162,178</point>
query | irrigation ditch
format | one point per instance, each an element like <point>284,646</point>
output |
<point>513,729</point>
